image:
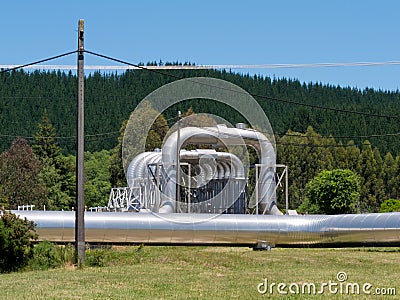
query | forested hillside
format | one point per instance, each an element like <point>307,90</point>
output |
<point>109,99</point>
<point>40,107</point>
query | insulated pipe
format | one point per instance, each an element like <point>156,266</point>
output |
<point>151,228</point>
<point>221,171</point>
<point>141,169</point>
<point>130,172</point>
<point>192,157</point>
<point>209,171</point>
<point>206,159</point>
<point>152,160</point>
<point>205,156</point>
<point>202,176</point>
<point>235,162</point>
<point>218,135</point>
<point>220,156</point>
<point>227,169</point>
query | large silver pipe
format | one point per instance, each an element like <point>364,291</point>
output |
<point>231,159</point>
<point>141,169</point>
<point>235,162</point>
<point>209,162</point>
<point>149,228</point>
<point>137,168</point>
<point>227,168</point>
<point>130,176</point>
<point>222,135</point>
<point>221,171</point>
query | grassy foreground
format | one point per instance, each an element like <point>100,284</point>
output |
<point>210,273</point>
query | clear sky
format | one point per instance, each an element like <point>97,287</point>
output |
<point>215,32</point>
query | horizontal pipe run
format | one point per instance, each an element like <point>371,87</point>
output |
<point>150,228</point>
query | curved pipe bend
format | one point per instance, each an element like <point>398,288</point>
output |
<point>218,135</point>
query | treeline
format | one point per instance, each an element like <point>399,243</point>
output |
<point>111,97</point>
<point>39,173</point>
<point>40,107</point>
<point>306,154</point>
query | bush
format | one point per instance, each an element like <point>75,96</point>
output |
<point>332,192</point>
<point>96,258</point>
<point>16,242</point>
<point>67,254</point>
<point>390,205</point>
<point>47,255</point>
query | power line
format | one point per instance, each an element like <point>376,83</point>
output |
<point>58,137</point>
<point>37,62</point>
<point>317,145</point>
<point>132,65</point>
<point>265,97</point>
<point>341,110</point>
<point>295,135</point>
<point>252,94</point>
<point>302,136</point>
<point>212,66</point>
<point>86,135</point>
<point>342,137</point>
<point>148,68</point>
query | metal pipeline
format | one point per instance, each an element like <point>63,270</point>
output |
<point>252,230</point>
<point>212,165</point>
<point>222,135</point>
<point>137,167</point>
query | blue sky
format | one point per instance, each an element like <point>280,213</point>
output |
<point>215,32</point>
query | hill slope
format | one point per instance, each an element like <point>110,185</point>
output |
<point>109,99</point>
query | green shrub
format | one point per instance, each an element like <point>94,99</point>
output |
<point>332,192</point>
<point>96,258</point>
<point>16,242</point>
<point>45,256</point>
<point>390,205</point>
<point>67,254</point>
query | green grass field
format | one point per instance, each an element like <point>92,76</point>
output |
<point>211,273</point>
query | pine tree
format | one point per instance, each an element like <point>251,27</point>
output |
<point>353,161</point>
<point>368,172</point>
<point>389,176</point>
<point>97,178</point>
<point>117,174</point>
<point>339,157</point>
<point>396,179</point>
<point>44,145</point>
<point>55,173</point>
<point>379,188</point>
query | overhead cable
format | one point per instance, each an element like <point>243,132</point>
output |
<point>37,62</point>
<point>265,97</point>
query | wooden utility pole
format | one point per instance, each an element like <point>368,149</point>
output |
<point>80,199</point>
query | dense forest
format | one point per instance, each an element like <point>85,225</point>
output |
<point>40,107</point>
<point>111,97</point>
